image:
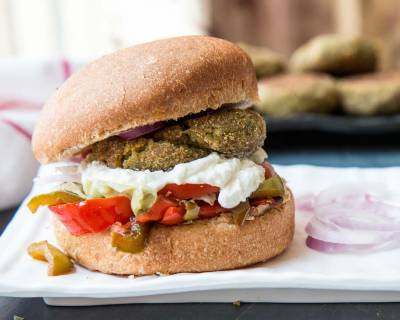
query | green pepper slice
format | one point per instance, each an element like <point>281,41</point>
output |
<point>52,199</point>
<point>59,263</point>
<point>132,242</point>
<point>239,212</point>
<point>272,187</point>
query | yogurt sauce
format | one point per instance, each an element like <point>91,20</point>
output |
<point>236,178</point>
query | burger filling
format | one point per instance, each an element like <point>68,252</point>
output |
<point>196,168</point>
<point>232,133</point>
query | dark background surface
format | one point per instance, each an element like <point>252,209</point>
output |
<point>294,148</point>
<point>336,123</point>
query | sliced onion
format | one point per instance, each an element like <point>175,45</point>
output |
<point>331,247</point>
<point>57,178</point>
<point>207,198</point>
<point>353,217</point>
<point>64,172</point>
<point>140,131</point>
<point>68,168</point>
<point>330,232</point>
<point>346,194</point>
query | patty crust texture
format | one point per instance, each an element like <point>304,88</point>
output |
<point>143,154</point>
<point>231,132</point>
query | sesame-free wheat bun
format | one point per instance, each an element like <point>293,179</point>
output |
<point>156,81</point>
<point>204,245</point>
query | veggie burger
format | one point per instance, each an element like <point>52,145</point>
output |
<point>166,169</point>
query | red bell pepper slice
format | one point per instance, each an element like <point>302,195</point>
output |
<point>156,212</point>
<point>209,211</point>
<point>173,215</point>
<point>187,190</point>
<point>93,215</point>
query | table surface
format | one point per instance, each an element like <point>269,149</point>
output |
<point>301,148</point>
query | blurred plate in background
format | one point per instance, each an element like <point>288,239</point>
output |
<point>335,124</point>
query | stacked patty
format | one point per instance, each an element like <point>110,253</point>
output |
<point>335,54</point>
<point>293,94</point>
<point>371,94</point>
<point>230,132</point>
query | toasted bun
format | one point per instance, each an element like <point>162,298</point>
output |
<point>206,245</point>
<point>143,84</point>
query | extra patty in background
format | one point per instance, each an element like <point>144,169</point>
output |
<point>371,94</point>
<point>294,94</point>
<point>335,54</point>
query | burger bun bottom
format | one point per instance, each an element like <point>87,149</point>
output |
<point>204,245</point>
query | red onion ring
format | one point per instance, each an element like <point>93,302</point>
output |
<point>353,218</point>
<point>141,131</point>
<point>331,247</point>
<point>330,232</point>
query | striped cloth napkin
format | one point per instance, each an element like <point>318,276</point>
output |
<point>25,84</point>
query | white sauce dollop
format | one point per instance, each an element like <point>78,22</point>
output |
<point>236,178</point>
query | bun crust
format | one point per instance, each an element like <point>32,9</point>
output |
<point>205,245</point>
<point>156,81</point>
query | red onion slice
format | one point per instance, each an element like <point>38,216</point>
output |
<point>141,131</point>
<point>331,247</point>
<point>353,217</point>
<point>330,232</point>
<point>348,194</point>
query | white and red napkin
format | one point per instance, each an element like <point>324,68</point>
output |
<point>25,84</point>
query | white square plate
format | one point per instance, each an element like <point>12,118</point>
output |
<point>298,275</point>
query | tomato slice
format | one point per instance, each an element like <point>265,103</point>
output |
<point>93,215</point>
<point>173,215</point>
<point>187,190</point>
<point>155,213</point>
<point>209,211</point>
